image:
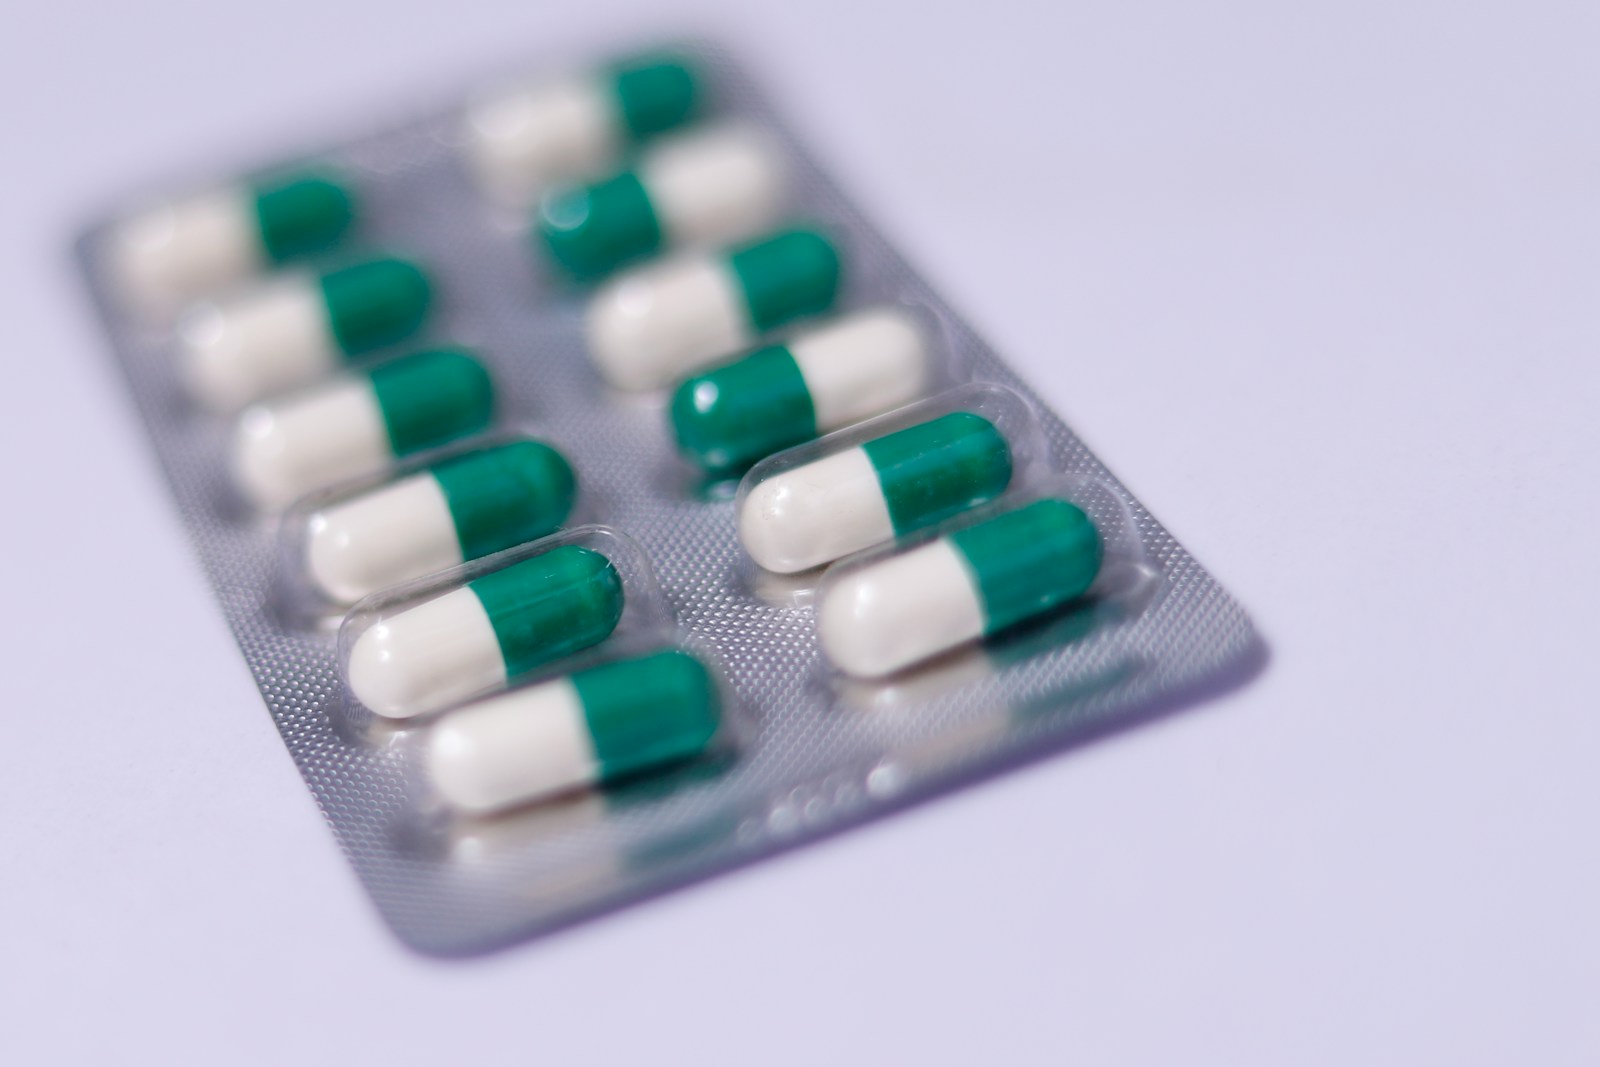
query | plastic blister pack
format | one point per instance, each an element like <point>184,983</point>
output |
<point>759,738</point>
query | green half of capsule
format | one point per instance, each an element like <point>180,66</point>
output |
<point>375,303</point>
<point>728,418</point>
<point>786,276</point>
<point>502,496</point>
<point>649,711</point>
<point>301,216</point>
<point>590,230</point>
<point>431,397</point>
<point>550,606</point>
<point>938,468</point>
<point>655,93</point>
<point>1030,560</point>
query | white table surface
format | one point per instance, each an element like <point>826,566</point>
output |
<point>1317,280</point>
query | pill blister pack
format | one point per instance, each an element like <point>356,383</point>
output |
<point>806,745</point>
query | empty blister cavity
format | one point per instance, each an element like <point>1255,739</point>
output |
<point>292,329</point>
<point>653,324</point>
<point>886,478</point>
<point>462,505</point>
<point>473,629</point>
<point>357,423</point>
<point>173,253</point>
<point>823,377</point>
<point>1065,544</point>
<point>521,140</point>
<point>702,187</point>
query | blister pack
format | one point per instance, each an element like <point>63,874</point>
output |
<point>601,503</point>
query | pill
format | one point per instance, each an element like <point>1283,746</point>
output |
<point>477,638</point>
<point>358,423</point>
<point>978,581</point>
<point>653,324</point>
<point>294,329</point>
<point>874,492</point>
<point>823,379</point>
<point>594,726</point>
<point>575,128</point>
<point>182,250</point>
<point>457,510</point>
<point>709,186</point>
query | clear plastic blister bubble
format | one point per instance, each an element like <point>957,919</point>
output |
<point>423,647</point>
<point>949,598</point>
<point>630,719</point>
<point>805,751</point>
<point>290,328</point>
<point>802,509</point>
<point>435,511</point>
<point>694,189</point>
<point>825,376</point>
<point>172,250</point>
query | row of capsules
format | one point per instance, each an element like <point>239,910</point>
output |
<point>447,550</point>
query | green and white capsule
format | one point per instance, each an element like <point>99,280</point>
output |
<point>477,638</point>
<point>292,330</point>
<point>883,489</point>
<point>358,424</point>
<point>823,379</point>
<point>185,249</point>
<point>703,187</point>
<point>595,726</point>
<point>972,583</point>
<point>650,326</point>
<point>576,128</point>
<point>462,509</point>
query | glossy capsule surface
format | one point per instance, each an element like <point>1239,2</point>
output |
<point>358,423</point>
<point>650,326</point>
<point>475,639</point>
<point>599,725</point>
<point>461,509</point>
<point>293,329</point>
<point>896,612</point>
<point>885,488</point>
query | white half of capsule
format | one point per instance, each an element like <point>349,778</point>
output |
<point>427,657</point>
<point>899,611</point>
<point>286,448</point>
<point>655,324</point>
<point>524,140</point>
<point>862,365</point>
<point>179,251</point>
<point>715,185</point>
<point>511,749</point>
<point>381,538</point>
<point>257,341</point>
<point>815,513</point>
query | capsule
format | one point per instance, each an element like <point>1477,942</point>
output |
<point>358,424</point>
<point>704,187</point>
<point>461,509</point>
<point>294,329</point>
<point>824,379</point>
<point>875,492</point>
<point>575,129</point>
<point>477,638</point>
<point>183,250</point>
<point>595,726</point>
<point>650,326</point>
<point>972,583</point>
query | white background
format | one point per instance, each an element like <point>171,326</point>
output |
<point>1319,281</point>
